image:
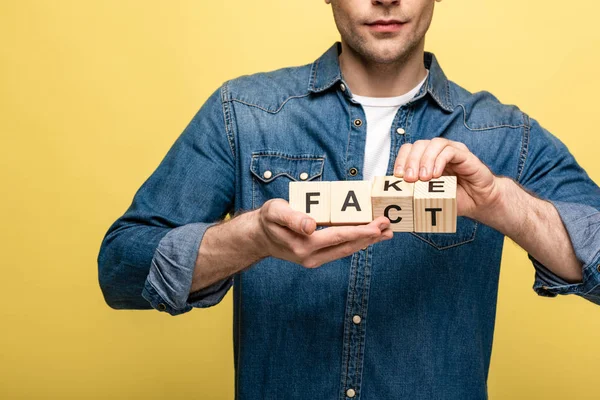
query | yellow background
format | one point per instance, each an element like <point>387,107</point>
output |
<point>92,95</point>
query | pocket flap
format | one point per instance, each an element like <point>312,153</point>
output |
<point>267,166</point>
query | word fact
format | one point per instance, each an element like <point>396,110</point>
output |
<point>422,206</point>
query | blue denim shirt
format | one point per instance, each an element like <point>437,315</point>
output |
<point>426,302</point>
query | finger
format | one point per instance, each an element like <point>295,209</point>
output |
<point>282,236</point>
<point>414,160</point>
<point>444,158</point>
<point>465,163</point>
<point>336,235</point>
<point>427,164</point>
<point>459,145</point>
<point>401,159</point>
<point>279,211</point>
<point>387,233</point>
<point>342,250</point>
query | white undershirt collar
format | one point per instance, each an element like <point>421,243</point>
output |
<point>390,101</point>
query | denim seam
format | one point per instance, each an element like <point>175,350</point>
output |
<point>283,174</point>
<point>164,300</point>
<point>328,84</point>
<point>217,295</point>
<point>408,125</point>
<point>349,352</point>
<point>470,239</point>
<point>347,329</point>
<point>350,365</point>
<point>445,106</point>
<point>349,111</point>
<point>590,266</point>
<point>313,75</point>
<point>550,287</point>
<point>239,335</point>
<point>275,153</point>
<point>313,79</point>
<point>486,128</point>
<point>524,147</point>
<point>227,117</point>
<point>363,327</point>
<point>592,289</point>
<point>268,110</point>
<point>449,102</point>
<point>253,192</point>
<point>393,140</point>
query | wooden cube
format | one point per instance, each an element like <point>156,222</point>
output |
<point>312,198</point>
<point>435,205</point>
<point>393,198</point>
<point>351,202</point>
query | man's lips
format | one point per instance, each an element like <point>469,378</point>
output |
<point>390,25</point>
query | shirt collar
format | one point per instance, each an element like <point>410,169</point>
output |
<point>325,72</point>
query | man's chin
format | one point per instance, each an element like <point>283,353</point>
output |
<point>380,51</point>
<point>387,57</point>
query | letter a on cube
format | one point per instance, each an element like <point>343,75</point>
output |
<point>435,205</point>
<point>312,198</point>
<point>351,202</point>
<point>393,198</point>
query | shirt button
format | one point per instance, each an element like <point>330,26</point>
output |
<point>357,122</point>
<point>598,267</point>
<point>162,307</point>
<point>304,176</point>
<point>350,393</point>
<point>353,171</point>
<point>400,131</point>
<point>356,319</point>
<point>267,174</point>
<point>342,87</point>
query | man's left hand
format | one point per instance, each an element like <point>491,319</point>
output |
<point>477,187</point>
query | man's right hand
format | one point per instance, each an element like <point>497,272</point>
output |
<point>276,230</point>
<point>291,235</point>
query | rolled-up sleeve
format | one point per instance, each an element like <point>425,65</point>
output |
<point>583,225</point>
<point>550,171</point>
<point>169,281</point>
<point>148,255</point>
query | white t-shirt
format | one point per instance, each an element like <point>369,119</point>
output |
<point>380,113</point>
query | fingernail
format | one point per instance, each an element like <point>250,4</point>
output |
<point>423,172</point>
<point>409,173</point>
<point>435,170</point>
<point>382,238</point>
<point>399,171</point>
<point>305,225</point>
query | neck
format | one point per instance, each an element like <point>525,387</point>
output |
<point>365,78</point>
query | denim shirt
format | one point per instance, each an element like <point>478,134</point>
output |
<point>408,318</point>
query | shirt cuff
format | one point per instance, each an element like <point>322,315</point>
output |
<point>167,286</point>
<point>583,225</point>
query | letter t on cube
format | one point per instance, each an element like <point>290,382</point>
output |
<point>435,205</point>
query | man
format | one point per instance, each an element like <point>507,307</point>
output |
<point>304,296</point>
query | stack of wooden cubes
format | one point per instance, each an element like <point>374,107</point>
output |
<point>411,207</point>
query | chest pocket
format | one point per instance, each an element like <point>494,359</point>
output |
<point>466,229</point>
<point>273,171</point>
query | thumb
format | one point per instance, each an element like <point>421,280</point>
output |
<point>299,222</point>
